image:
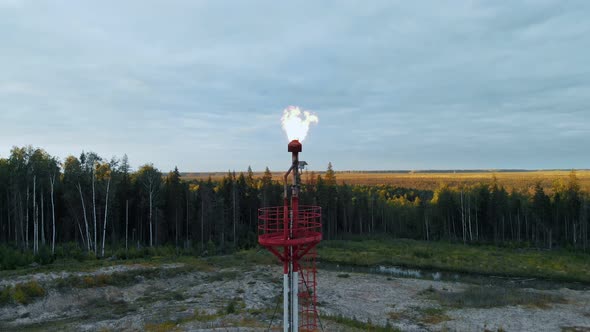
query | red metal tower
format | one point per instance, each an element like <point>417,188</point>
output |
<point>291,232</point>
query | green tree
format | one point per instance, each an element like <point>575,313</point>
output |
<point>541,208</point>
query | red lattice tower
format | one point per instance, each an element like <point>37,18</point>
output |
<point>291,232</point>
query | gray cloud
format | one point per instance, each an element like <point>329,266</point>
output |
<point>201,85</point>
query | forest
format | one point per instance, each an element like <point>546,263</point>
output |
<point>102,207</point>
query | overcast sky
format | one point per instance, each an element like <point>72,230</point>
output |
<point>395,84</point>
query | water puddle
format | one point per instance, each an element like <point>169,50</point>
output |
<point>471,278</point>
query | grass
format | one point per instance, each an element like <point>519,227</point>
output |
<point>429,315</point>
<point>14,258</point>
<point>359,325</point>
<point>161,327</point>
<point>222,275</point>
<point>121,278</point>
<point>433,315</point>
<point>250,322</point>
<point>232,307</point>
<point>23,293</point>
<point>560,265</point>
<point>489,260</point>
<point>72,265</point>
<point>243,259</point>
<point>103,307</point>
<point>70,257</point>
<point>489,297</point>
<point>204,317</point>
<point>5,297</point>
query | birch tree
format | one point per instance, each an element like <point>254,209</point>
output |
<point>73,177</point>
<point>52,190</point>
<point>150,179</point>
<point>35,219</point>
<point>90,162</point>
<point>105,174</point>
<point>124,192</point>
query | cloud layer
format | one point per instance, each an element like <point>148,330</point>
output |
<point>397,85</point>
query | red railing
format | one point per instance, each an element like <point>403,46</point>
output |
<point>274,222</point>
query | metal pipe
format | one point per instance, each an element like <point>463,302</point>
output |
<point>295,300</point>
<point>285,302</point>
<point>285,177</point>
<point>293,295</point>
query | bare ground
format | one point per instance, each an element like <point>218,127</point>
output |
<point>245,300</point>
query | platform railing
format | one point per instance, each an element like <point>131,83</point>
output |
<point>272,221</point>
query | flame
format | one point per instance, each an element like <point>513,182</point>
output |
<point>296,123</point>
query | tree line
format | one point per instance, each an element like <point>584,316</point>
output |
<point>100,203</point>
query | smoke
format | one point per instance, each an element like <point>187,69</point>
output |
<point>296,123</point>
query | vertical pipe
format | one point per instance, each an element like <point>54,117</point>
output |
<point>285,302</point>
<point>293,234</point>
<point>295,208</point>
<point>290,299</point>
<point>286,219</point>
<point>295,301</point>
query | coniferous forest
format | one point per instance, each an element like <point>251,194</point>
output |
<point>100,207</point>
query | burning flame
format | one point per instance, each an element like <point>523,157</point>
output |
<point>296,123</point>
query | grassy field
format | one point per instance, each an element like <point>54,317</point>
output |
<point>557,265</point>
<point>430,181</point>
<point>488,260</point>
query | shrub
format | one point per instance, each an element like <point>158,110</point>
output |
<point>44,256</point>
<point>70,250</point>
<point>103,280</point>
<point>27,292</point>
<point>423,254</point>
<point>5,297</point>
<point>88,282</point>
<point>231,308</point>
<point>211,249</point>
<point>11,259</point>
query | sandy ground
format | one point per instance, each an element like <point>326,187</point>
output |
<point>399,300</point>
<point>198,301</point>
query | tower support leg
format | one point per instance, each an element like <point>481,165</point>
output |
<point>285,302</point>
<point>295,301</point>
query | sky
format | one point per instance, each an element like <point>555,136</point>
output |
<point>396,84</point>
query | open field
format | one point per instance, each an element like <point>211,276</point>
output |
<point>431,180</point>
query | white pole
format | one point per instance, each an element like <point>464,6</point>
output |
<point>285,302</point>
<point>295,295</point>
